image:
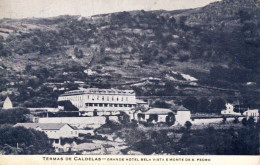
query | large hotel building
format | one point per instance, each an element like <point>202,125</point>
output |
<point>96,102</point>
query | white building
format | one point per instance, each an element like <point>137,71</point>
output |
<point>252,113</point>
<point>54,131</point>
<point>182,115</point>
<point>153,114</point>
<point>7,103</point>
<point>96,102</point>
<point>229,110</point>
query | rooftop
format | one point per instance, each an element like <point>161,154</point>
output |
<point>158,111</point>
<point>99,91</point>
<point>43,126</point>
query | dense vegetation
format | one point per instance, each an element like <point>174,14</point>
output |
<point>185,141</point>
<point>19,140</point>
<point>13,116</point>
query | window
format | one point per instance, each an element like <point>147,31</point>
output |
<point>129,105</point>
<point>56,141</point>
<point>112,98</point>
<point>115,105</point>
<point>88,97</point>
<point>90,104</point>
<point>103,98</point>
<point>117,99</point>
<point>111,105</point>
<point>101,105</point>
<point>105,105</point>
<point>122,99</point>
<point>125,105</point>
<point>97,97</point>
<point>95,104</point>
<point>107,98</point>
<point>120,105</point>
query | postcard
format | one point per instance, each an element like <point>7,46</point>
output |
<point>129,82</point>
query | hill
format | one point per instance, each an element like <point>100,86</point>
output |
<point>208,51</point>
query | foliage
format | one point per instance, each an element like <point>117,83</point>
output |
<point>203,105</point>
<point>217,104</point>
<point>236,120</point>
<point>29,141</point>
<point>209,141</point>
<point>68,106</point>
<point>188,125</point>
<point>191,103</point>
<point>13,116</point>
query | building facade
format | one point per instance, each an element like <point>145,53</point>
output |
<point>97,102</point>
<point>54,131</point>
<point>229,110</point>
<point>252,113</point>
<point>180,114</point>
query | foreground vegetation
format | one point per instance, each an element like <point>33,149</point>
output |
<point>19,140</point>
<point>221,139</point>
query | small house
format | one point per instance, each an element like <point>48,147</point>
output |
<point>252,113</point>
<point>229,110</point>
<point>54,131</point>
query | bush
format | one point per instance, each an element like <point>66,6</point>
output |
<point>236,120</point>
<point>244,121</point>
<point>188,125</point>
<point>29,141</point>
<point>13,116</point>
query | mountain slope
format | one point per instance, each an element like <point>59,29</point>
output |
<point>217,44</point>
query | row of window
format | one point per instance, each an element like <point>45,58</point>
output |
<point>109,105</point>
<point>93,98</point>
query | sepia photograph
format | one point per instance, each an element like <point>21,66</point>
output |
<point>147,77</point>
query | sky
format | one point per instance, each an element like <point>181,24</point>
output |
<point>51,8</point>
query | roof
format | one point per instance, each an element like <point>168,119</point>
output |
<point>182,108</point>
<point>179,108</point>
<point>140,101</point>
<point>99,91</point>
<point>43,126</point>
<point>7,103</point>
<point>252,110</point>
<point>158,111</point>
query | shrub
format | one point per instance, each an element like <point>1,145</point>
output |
<point>188,125</point>
<point>236,120</point>
<point>13,116</point>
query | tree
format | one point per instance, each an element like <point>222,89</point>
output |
<point>217,104</point>
<point>244,121</point>
<point>124,118</point>
<point>188,125</point>
<point>28,141</point>
<point>203,105</point>
<point>224,120</point>
<point>251,121</point>
<point>13,116</point>
<point>236,120</point>
<point>170,119</point>
<point>191,103</point>
<point>78,52</point>
<point>28,68</point>
<point>161,104</point>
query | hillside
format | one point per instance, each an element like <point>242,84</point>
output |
<point>208,51</point>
